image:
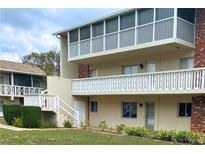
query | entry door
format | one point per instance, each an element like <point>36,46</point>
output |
<point>80,107</point>
<point>151,67</point>
<point>149,115</point>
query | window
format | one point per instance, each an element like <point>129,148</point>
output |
<point>97,29</point>
<point>134,69</point>
<point>73,36</point>
<point>145,16</point>
<point>85,32</point>
<point>187,14</point>
<point>184,109</point>
<point>1,79</point>
<point>22,80</point>
<point>94,106</point>
<point>93,73</point>
<point>129,110</point>
<point>111,25</point>
<point>1,105</point>
<point>127,20</point>
<point>163,13</point>
<point>187,63</point>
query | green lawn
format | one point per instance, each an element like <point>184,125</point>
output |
<point>64,137</point>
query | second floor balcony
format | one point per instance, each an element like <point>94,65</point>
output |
<point>189,81</point>
<point>18,91</point>
<point>133,30</point>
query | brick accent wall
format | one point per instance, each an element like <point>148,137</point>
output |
<point>198,114</point>
<point>200,38</point>
<point>83,70</point>
<point>198,102</point>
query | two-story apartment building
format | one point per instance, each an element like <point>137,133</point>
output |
<point>18,80</point>
<point>139,67</point>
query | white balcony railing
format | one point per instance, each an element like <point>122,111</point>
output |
<point>13,90</point>
<point>168,82</point>
<point>46,102</point>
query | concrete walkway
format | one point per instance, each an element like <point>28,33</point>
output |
<point>30,129</point>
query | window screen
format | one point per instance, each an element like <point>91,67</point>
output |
<point>145,16</point>
<point>129,110</point>
<point>1,79</point>
<point>22,80</point>
<point>111,25</point>
<point>130,69</point>
<point>85,32</point>
<point>73,36</point>
<point>127,20</point>
<point>187,14</point>
<point>97,29</point>
<point>94,106</point>
<point>163,13</point>
<point>187,63</point>
<point>184,109</point>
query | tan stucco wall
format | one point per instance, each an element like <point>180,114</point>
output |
<point>109,109</point>
<point>67,69</point>
<point>165,61</point>
<point>7,99</point>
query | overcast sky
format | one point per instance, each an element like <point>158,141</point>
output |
<point>25,30</point>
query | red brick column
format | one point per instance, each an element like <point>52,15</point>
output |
<point>83,70</point>
<point>198,102</point>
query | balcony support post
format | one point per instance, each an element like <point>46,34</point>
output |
<point>12,86</point>
<point>175,23</point>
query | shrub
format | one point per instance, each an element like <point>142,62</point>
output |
<point>48,125</point>
<point>121,128</point>
<point>103,125</point>
<point>68,123</point>
<point>17,122</point>
<point>166,135</point>
<point>190,137</point>
<point>10,112</point>
<point>138,131</point>
<point>31,116</point>
<point>85,125</point>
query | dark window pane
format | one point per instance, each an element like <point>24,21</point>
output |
<point>97,29</point>
<point>85,32</point>
<point>188,109</point>
<point>129,110</point>
<point>145,16</point>
<point>127,20</point>
<point>94,107</point>
<point>163,13</point>
<point>73,36</point>
<point>182,107</point>
<point>22,80</point>
<point>111,25</point>
<point>187,14</point>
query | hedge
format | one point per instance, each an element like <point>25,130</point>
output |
<point>31,116</point>
<point>11,111</point>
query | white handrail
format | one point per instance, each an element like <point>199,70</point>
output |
<point>68,106</point>
<point>140,74</point>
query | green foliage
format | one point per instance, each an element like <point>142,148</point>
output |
<point>31,116</point>
<point>166,135</point>
<point>103,125</point>
<point>68,123</point>
<point>17,122</point>
<point>138,131</point>
<point>48,125</point>
<point>172,135</point>
<point>85,125</point>
<point>49,61</point>
<point>121,128</point>
<point>10,112</point>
